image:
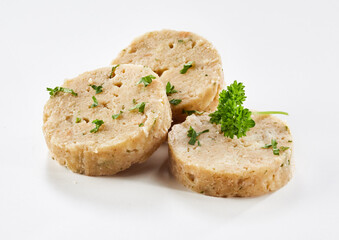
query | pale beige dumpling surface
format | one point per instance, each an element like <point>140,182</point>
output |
<point>226,167</point>
<point>166,52</point>
<point>119,143</point>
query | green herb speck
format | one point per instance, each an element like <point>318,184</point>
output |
<point>146,80</point>
<point>186,67</point>
<point>175,101</point>
<point>97,123</point>
<point>95,102</point>
<point>190,112</point>
<point>115,116</point>
<point>193,135</point>
<point>170,89</point>
<point>113,71</point>
<point>140,107</point>
<point>98,89</point>
<point>54,91</point>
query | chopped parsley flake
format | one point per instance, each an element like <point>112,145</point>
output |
<point>141,124</point>
<point>97,123</point>
<point>115,116</point>
<point>95,102</point>
<point>274,145</point>
<point>113,71</point>
<point>98,89</point>
<point>77,120</point>
<point>170,89</point>
<point>146,80</point>
<point>194,136</point>
<point>175,101</point>
<point>180,40</point>
<point>54,91</point>
<point>186,67</point>
<point>282,148</point>
<point>190,112</point>
<point>154,122</point>
<point>140,107</point>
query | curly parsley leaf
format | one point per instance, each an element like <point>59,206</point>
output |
<point>54,91</point>
<point>140,107</point>
<point>186,67</point>
<point>95,102</point>
<point>193,135</point>
<point>170,89</point>
<point>235,120</point>
<point>98,89</point>
<point>175,101</point>
<point>97,123</point>
<point>113,71</point>
<point>146,80</point>
<point>115,116</point>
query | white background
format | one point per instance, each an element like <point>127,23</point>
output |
<point>285,52</point>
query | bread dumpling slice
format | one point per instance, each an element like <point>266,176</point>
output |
<point>116,116</point>
<point>186,61</point>
<point>220,166</point>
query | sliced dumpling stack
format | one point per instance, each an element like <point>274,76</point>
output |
<point>104,121</point>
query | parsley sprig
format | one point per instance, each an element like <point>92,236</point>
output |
<point>97,123</point>
<point>186,67</point>
<point>274,145</point>
<point>194,136</point>
<point>235,120</point>
<point>54,91</point>
<point>147,80</point>
<point>170,89</point>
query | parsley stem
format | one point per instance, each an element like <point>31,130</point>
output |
<point>271,112</point>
